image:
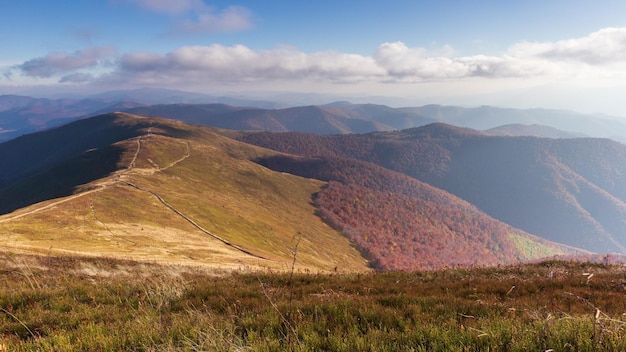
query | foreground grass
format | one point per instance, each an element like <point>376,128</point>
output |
<point>66,304</point>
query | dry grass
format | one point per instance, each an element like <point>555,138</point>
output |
<point>185,192</point>
<point>69,303</point>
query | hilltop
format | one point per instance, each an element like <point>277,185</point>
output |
<point>126,186</point>
<point>143,188</point>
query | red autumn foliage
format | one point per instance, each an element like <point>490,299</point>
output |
<point>398,222</point>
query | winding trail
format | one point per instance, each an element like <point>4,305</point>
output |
<point>118,176</point>
<point>196,225</point>
<point>51,205</point>
<point>98,187</point>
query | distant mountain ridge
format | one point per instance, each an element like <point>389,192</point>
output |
<point>344,117</point>
<point>21,115</point>
<point>314,119</point>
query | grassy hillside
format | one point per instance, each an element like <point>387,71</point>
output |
<point>176,193</point>
<point>66,304</point>
<point>163,190</point>
<point>568,191</point>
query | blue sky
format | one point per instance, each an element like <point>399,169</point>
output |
<point>534,53</point>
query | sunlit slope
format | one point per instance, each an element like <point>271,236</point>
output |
<point>182,194</point>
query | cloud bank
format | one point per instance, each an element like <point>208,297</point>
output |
<point>241,64</point>
<point>60,63</point>
<point>599,55</point>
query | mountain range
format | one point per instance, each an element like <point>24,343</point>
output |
<point>345,118</point>
<point>162,190</point>
<point>349,186</point>
<point>21,115</point>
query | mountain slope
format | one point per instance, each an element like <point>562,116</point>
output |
<point>169,192</point>
<point>567,191</point>
<point>404,224</point>
<point>30,153</point>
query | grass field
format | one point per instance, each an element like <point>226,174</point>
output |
<point>72,304</point>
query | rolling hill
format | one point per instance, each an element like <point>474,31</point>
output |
<point>488,117</point>
<point>565,190</point>
<point>520,130</point>
<point>122,185</point>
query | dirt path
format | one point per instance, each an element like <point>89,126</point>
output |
<point>119,177</point>
<point>99,186</point>
<point>176,162</point>
<point>170,207</point>
<point>52,205</point>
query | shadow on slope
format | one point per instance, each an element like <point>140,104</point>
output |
<point>51,164</point>
<point>62,179</point>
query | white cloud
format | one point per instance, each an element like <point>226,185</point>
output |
<point>241,64</point>
<point>60,63</point>
<point>605,46</point>
<point>418,65</point>
<point>595,60</point>
<point>77,77</point>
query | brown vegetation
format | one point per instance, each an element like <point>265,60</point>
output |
<point>65,304</point>
<point>400,223</point>
<point>565,190</point>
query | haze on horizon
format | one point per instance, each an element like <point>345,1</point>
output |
<point>523,54</point>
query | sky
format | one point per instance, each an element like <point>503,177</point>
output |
<point>561,54</point>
